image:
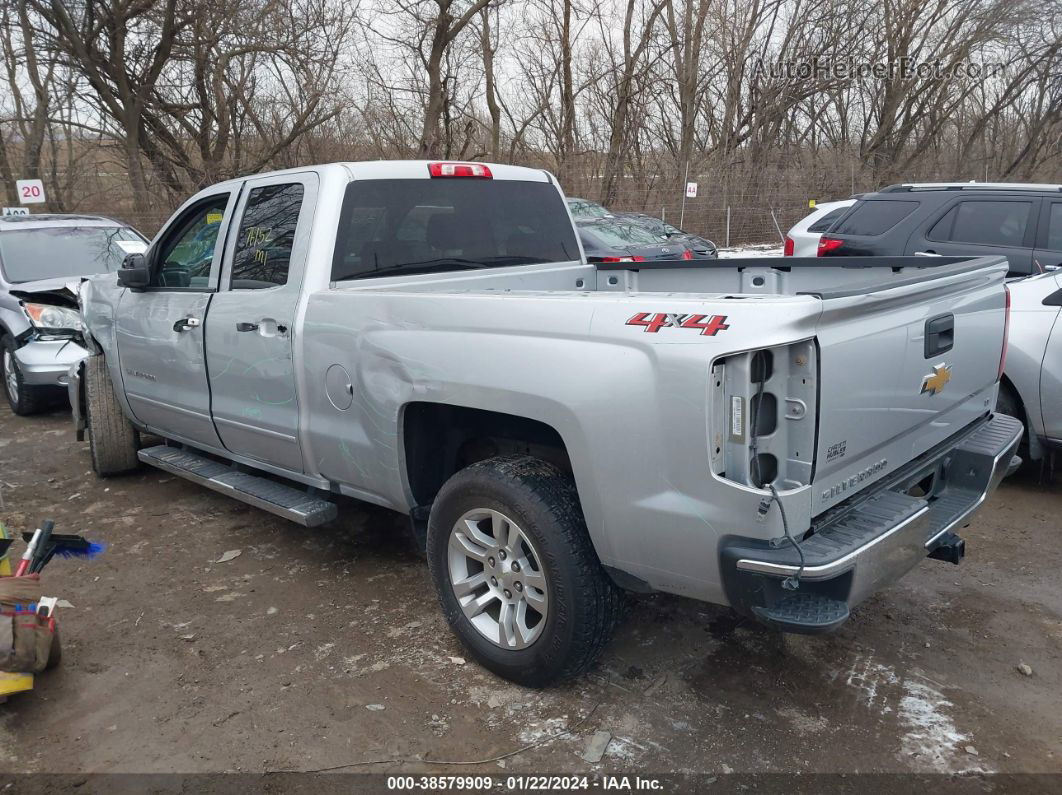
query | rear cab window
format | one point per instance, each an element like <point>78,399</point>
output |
<point>875,217</point>
<point>399,227</point>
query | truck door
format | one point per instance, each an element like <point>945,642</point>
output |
<point>159,330</point>
<point>251,321</point>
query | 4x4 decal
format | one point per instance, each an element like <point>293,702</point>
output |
<point>653,322</point>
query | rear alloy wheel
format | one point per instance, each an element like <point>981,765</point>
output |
<point>516,575</point>
<point>497,577</point>
<point>22,398</point>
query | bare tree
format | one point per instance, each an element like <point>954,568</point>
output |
<point>628,66</point>
<point>34,88</point>
<point>135,103</point>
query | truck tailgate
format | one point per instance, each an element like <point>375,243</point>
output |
<point>902,368</point>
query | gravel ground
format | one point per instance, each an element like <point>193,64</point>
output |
<point>320,648</point>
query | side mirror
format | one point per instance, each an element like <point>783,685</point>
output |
<point>134,273</point>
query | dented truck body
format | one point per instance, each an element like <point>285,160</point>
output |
<point>710,413</point>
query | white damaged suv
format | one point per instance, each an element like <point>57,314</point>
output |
<point>42,260</point>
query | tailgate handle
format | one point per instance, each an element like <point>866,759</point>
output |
<point>940,335</point>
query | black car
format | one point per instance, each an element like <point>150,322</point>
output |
<point>620,240</point>
<point>1022,222</point>
<point>701,247</point>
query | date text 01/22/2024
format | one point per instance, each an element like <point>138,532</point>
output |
<point>523,783</point>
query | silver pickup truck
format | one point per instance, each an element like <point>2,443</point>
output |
<point>782,436</point>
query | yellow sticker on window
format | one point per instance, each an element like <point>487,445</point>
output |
<point>215,217</point>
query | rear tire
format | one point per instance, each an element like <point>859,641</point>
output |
<point>580,604</point>
<point>1008,402</point>
<point>113,440</point>
<point>23,399</point>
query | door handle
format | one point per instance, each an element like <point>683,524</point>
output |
<point>267,327</point>
<point>186,323</point>
<point>940,335</point>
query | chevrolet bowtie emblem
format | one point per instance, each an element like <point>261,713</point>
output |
<point>935,382</point>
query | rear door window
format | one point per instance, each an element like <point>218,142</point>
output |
<point>942,229</point>
<point>871,218</point>
<point>266,236</point>
<point>987,223</point>
<point>1054,227</point>
<point>397,227</point>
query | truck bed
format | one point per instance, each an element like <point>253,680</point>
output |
<point>831,277</point>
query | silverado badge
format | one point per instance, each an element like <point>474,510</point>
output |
<point>935,382</point>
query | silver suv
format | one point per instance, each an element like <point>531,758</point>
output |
<point>42,259</point>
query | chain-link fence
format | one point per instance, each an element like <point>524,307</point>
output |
<point>739,200</point>
<point>737,203</point>
<point>727,223</point>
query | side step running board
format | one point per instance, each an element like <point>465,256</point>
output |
<point>261,492</point>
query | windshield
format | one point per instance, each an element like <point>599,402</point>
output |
<point>58,252</point>
<point>622,235</point>
<point>399,227</point>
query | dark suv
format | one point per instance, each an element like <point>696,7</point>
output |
<point>1022,222</point>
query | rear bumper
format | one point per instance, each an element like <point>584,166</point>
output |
<point>874,538</point>
<point>48,362</point>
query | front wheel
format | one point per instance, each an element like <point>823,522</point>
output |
<point>23,398</point>
<point>516,575</point>
<point>113,441</point>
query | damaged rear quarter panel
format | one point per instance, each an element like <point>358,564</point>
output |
<point>631,407</point>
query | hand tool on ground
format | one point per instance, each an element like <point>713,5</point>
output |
<point>63,545</point>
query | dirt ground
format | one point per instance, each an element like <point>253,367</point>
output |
<point>320,648</point>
